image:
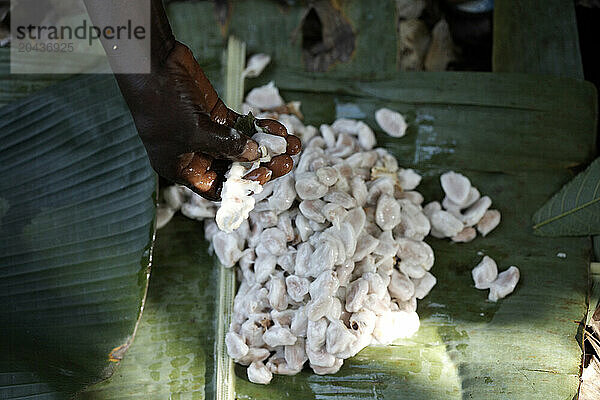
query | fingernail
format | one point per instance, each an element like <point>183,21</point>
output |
<point>293,145</point>
<point>205,181</point>
<point>219,113</point>
<point>251,151</point>
<point>262,175</point>
<point>280,165</point>
<point>273,127</point>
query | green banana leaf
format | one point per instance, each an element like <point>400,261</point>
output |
<point>77,201</point>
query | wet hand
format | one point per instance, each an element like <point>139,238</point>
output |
<point>189,133</point>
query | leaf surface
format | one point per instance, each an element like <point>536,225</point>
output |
<point>575,209</point>
<point>76,229</point>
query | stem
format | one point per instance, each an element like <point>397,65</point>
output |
<point>234,95</point>
<point>224,375</point>
<point>234,80</point>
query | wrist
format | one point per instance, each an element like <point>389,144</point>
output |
<point>162,39</point>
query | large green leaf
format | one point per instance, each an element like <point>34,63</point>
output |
<point>575,209</point>
<point>77,195</point>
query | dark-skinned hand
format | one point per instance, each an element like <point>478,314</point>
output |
<point>188,132</point>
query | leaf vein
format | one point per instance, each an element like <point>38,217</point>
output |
<point>586,175</point>
<point>564,214</point>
